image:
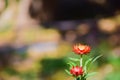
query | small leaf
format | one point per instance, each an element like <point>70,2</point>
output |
<point>96,58</point>
<point>71,64</point>
<point>74,59</point>
<point>90,74</point>
<point>88,61</point>
<point>68,72</point>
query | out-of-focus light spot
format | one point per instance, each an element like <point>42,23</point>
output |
<point>14,78</point>
<point>2,5</point>
<point>116,52</point>
<point>117,18</point>
<point>28,65</point>
<point>107,25</point>
<point>83,29</point>
<point>70,36</point>
<point>113,40</point>
<point>98,1</point>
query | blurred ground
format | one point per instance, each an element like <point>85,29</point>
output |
<point>36,48</point>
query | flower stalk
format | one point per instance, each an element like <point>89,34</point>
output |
<point>81,61</point>
<point>77,78</point>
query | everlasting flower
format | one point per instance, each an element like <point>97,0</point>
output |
<point>81,49</point>
<point>76,71</point>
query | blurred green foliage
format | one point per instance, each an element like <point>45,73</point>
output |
<point>51,66</point>
<point>113,76</point>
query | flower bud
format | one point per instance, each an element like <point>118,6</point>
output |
<point>76,71</point>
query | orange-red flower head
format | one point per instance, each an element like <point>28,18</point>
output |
<point>76,71</point>
<point>81,49</point>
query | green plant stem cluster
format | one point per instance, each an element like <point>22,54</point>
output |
<point>84,65</point>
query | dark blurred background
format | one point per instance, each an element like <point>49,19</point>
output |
<point>36,37</point>
<point>75,10</point>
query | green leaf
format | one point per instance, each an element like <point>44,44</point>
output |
<point>96,58</point>
<point>68,72</point>
<point>74,59</point>
<point>71,64</point>
<point>90,74</point>
<point>86,63</point>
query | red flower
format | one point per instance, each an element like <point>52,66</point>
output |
<point>76,71</point>
<point>81,49</point>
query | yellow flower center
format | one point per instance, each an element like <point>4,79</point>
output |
<point>81,47</point>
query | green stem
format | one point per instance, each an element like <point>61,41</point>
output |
<point>85,69</point>
<point>81,61</point>
<point>83,78</point>
<point>77,78</point>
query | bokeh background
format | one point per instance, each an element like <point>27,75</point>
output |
<point>36,37</point>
